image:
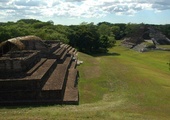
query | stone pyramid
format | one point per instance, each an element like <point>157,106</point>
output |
<point>36,71</point>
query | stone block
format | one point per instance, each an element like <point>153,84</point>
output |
<point>8,65</point>
<point>17,65</point>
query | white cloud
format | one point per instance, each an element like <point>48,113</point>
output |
<point>77,8</point>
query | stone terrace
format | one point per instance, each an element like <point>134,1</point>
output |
<point>50,79</point>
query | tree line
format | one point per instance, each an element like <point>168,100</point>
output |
<point>86,37</point>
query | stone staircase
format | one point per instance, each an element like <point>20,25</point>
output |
<point>52,80</point>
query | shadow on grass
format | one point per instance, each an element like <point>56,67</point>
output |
<point>29,106</point>
<point>105,54</point>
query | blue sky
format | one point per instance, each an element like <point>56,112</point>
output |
<point>77,11</point>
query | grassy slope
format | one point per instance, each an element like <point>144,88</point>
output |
<point>122,85</point>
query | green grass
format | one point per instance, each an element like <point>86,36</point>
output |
<point>121,85</point>
<point>164,46</point>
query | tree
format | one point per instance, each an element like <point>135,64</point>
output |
<point>131,29</point>
<point>104,29</point>
<point>115,30</point>
<point>104,41</point>
<point>85,38</point>
<point>107,42</point>
<point>88,39</point>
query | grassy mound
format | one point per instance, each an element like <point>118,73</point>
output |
<point>122,84</point>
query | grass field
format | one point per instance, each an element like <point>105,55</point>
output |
<point>121,85</point>
<point>164,46</point>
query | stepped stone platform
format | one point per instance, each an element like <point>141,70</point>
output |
<point>43,73</point>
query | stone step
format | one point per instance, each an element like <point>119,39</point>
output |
<point>75,52</point>
<point>53,55</point>
<point>68,61</point>
<point>33,82</point>
<point>73,64</point>
<point>35,67</point>
<point>54,47</point>
<point>55,85</point>
<point>57,50</point>
<point>64,45</point>
<point>56,80</point>
<point>69,48</point>
<point>64,55</point>
<point>72,51</point>
<point>44,71</point>
<point>71,95</point>
<point>60,53</point>
<point>53,88</point>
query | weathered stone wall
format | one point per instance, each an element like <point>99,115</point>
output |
<point>18,61</point>
<point>34,45</point>
<point>51,95</point>
<point>19,85</point>
<point>18,95</point>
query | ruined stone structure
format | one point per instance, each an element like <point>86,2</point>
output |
<point>157,37</point>
<point>146,37</point>
<point>33,71</point>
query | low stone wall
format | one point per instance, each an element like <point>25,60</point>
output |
<point>22,84</point>
<point>13,96</point>
<point>18,61</point>
<point>51,95</point>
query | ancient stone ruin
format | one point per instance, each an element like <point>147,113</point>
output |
<point>36,71</point>
<point>145,38</point>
